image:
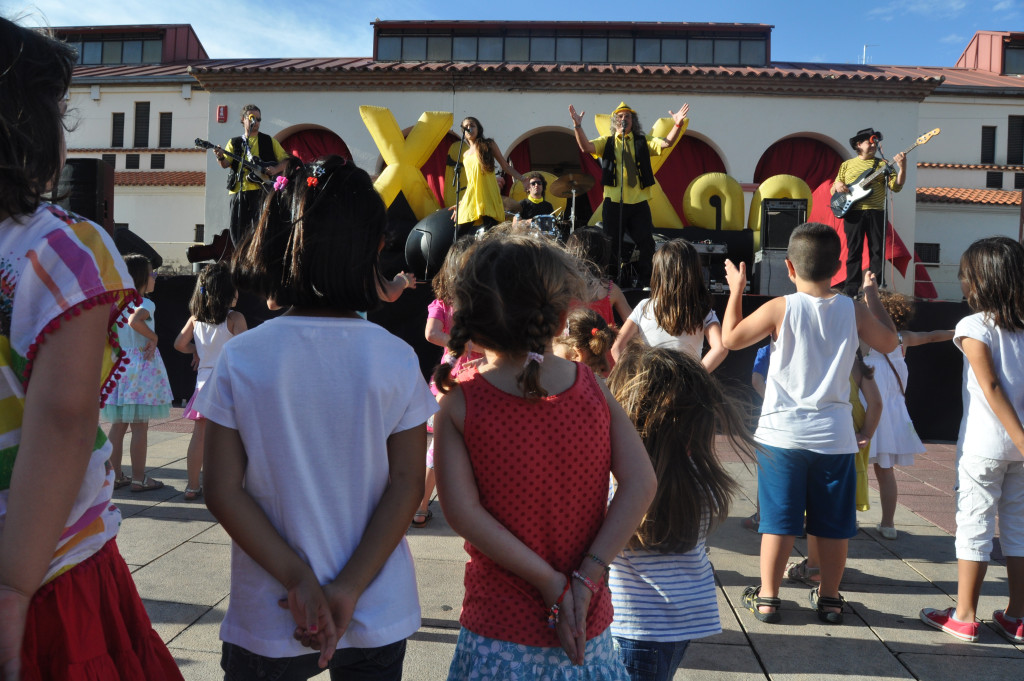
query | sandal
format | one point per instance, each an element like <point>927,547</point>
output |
<point>754,602</point>
<point>193,494</point>
<point>147,484</point>
<point>751,522</point>
<point>425,515</point>
<point>820,603</point>
<point>800,572</point>
<point>122,481</point>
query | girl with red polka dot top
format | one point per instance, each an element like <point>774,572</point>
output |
<point>525,445</point>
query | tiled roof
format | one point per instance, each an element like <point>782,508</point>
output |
<point>176,72</point>
<point>160,178</point>
<point>990,197</point>
<point>969,166</point>
<point>133,150</point>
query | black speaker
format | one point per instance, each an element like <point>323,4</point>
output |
<point>779,217</point>
<point>128,241</point>
<point>428,244</point>
<point>86,187</point>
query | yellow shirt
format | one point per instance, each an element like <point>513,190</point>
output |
<point>852,168</point>
<point>632,194</point>
<point>279,153</point>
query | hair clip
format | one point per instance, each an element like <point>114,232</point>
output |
<point>594,331</point>
<point>202,290</point>
<point>312,181</point>
<point>280,182</point>
<point>534,357</point>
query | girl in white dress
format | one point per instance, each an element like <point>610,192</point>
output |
<point>895,442</point>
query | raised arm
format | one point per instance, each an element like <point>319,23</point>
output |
<point>879,334</point>
<point>737,332</point>
<point>585,144</point>
<point>677,131</point>
<point>912,338</point>
<point>509,170</point>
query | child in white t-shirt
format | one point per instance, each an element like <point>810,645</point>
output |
<point>990,466</point>
<point>314,446</point>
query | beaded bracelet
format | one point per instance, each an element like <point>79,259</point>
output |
<point>587,581</point>
<point>553,611</point>
<point>597,559</point>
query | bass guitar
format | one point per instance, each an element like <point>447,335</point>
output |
<point>256,170</point>
<point>841,203</point>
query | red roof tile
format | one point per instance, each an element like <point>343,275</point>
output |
<point>134,150</point>
<point>990,197</point>
<point>969,166</point>
<point>160,178</point>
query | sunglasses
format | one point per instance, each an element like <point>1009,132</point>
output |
<point>536,183</point>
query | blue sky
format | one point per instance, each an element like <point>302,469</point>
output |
<point>906,32</point>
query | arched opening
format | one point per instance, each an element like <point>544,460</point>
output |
<point>310,143</point>
<point>553,150</point>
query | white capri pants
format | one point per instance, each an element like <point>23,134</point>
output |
<point>985,487</point>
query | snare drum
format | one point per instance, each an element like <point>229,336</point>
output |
<point>546,225</point>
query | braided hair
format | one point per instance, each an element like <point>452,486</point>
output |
<point>510,296</point>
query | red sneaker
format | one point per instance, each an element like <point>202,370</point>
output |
<point>1012,629</point>
<point>944,620</point>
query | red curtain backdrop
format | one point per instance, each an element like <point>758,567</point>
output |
<point>309,145</point>
<point>692,159</point>
<point>809,159</point>
<point>520,159</point>
<point>435,166</point>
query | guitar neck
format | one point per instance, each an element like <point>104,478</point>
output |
<point>885,166</point>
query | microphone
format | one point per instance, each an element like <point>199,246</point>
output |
<point>873,139</point>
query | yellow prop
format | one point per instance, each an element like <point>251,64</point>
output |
<point>519,192</point>
<point>775,187</point>
<point>404,156</point>
<point>697,201</point>
<point>662,212</point>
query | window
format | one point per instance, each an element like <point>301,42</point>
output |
<point>753,53</point>
<point>156,161</point>
<point>727,52</point>
<point>414,48</point>
<point>620,50</point>
<point>112,52</point>
<point>141,124</point>
<point>701,51</point>
<point>490,48</point>
<point>92,52</point>
<point>152,51</point>
<point>439,48</point>
<point>117,130</point>
<point>165,129</point>
<point>568,50</point>
<point>1013,61</point>
<point>131,52</point>
<point>1015,140</point>
<point>927,252</point>
<point>595,50</point>
<point>517,48</point>
<point>200,235</point>
<point>994,180</point>
<point>110,160</point>
<point>1018,180</point>
<point>542,49</point>
<point>464,49</point>
<point>673,51</point>
<point>988,144</point>
<point>131,161</point>
<point>648,50</point>
<point>389,48</point>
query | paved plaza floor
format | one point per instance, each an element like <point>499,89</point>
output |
<point>179,557</point>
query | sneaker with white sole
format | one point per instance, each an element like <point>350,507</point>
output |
<point>1012,629</point>
<point>887,532</point>
<point>944,620</point>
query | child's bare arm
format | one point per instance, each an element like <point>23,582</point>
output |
<point>912,338</point>
<point>137,320</point>
<point>236,322</point>
<point>628,332</point>
<point>620,304</point>
<point>716,349</point>
<point>460,499</point>
<point>184,342</point>
<point>737,332</point>
<point>244,520</point>
<point>980,358</point>
<point>434,332</point>
<point>872,406</point>
<point>874,326</point>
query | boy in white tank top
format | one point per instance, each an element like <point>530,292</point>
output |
<point>805,434</point>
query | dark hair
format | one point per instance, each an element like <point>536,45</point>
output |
<point>681,300</point>
<point>139,268</point>
<point>899,307</point>
<point>213,295</point>
<point>993,270</point>
<point>35,73</point>
<point>509,297</point>
<point>677,408</point>
<point>443,282</point>
<point>589,334</point>
<point>593,246</point>
<point>317,242</point>
<point>534,175</point>
<point>247,109</point>
<point>483,145</point>
<point>814,251</point>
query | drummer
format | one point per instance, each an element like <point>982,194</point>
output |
<point>534,203</point>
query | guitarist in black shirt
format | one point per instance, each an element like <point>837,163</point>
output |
<point>247,193</point>
<point>867,216</point>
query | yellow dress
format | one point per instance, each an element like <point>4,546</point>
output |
<point>859,414</point>
<point>482,196</point>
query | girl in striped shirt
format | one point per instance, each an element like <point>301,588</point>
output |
<point>662,583</point>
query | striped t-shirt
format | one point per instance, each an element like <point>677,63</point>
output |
<point>664,597</point>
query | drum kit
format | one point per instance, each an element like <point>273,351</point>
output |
<point>554,226</point>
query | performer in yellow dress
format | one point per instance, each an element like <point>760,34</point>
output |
<point>480,205</point>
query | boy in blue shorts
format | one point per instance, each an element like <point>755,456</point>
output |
<point>805,435</point>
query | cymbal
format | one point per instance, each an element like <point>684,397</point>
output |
<point>563,186</point>
<point>510,204</point>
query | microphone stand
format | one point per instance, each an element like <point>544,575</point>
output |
<point>885,217</point>
<point>456,183</point>
<point>622,197</point>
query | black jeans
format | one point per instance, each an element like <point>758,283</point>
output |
<point>347,664</point>
<point>245,210</point>
<point>636,221</point>
<point>857,224</point>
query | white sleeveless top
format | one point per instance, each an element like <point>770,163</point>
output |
<point>210,339</point>
<point>807,389</point>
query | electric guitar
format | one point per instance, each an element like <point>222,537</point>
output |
<point>858,189</point>
<point>257,170</point>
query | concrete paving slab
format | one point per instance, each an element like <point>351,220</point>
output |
<point>732,631</point>
<point>214,535</point>
<point>708,661</point>
<point>198,666</point>
<point>429,654</point>
<point>146,539</point>
<point>191,573</point>
<point>954,667</point>
<point>441,591</point>
<point>170,619</point>
<point>203,635</point>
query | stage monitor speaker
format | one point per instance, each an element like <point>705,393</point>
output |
<point>779,217</point>
<point>770,276</point>
<point>86,187</point>
<point>428,243</point>
<point>128,241</point>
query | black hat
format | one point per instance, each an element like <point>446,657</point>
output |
<point>864,134</point>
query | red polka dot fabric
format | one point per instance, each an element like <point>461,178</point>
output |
<point>542,471</point>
